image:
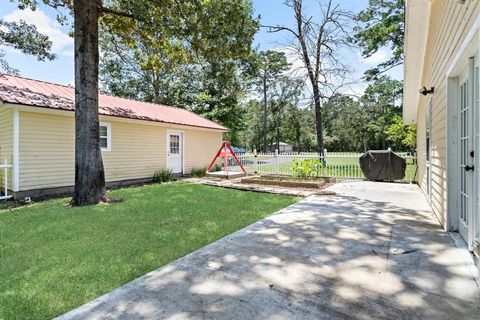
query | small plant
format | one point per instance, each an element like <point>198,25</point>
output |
<point>162,176</point>
<point>217,167</point>
<point>308,168</point>
<point>199,172</point>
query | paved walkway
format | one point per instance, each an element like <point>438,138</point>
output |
<point>373,251</point>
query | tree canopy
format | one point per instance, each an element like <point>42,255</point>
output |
<point>382,24</point>
<point>183,31</point>
<point>26,38</point>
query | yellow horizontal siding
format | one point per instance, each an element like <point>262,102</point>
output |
<point>200,148</point>
<point>47,150</point>
<point>449,25</point>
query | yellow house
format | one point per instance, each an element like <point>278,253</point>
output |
<point>136,138</point>
<point>442,95</point>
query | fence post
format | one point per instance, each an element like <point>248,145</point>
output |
<point>324,160</point>
<point>255,161</point>
<point>275,167</point>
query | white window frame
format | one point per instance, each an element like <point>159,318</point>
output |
<point>109,136</point>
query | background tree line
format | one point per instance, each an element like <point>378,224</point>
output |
<point>257,96</point>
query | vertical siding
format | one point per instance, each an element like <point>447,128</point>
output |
<point>6,142</point>
<point>47,150</point>
<point>449,24</point>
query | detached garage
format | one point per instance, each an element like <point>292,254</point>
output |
<point>137,138</point>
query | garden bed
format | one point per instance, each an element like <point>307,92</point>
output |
<point>289,181</point>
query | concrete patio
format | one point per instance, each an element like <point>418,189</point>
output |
<point>373,251</point>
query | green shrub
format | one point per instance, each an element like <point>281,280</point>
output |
<point>162,176</point>
<point>217,167</point>
<point>308,168</point>
<point>199,172</point>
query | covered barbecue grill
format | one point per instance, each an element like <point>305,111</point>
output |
<point>382,165</point>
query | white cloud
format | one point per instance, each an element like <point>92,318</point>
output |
<point>62,44</point>
<point>376,58</point>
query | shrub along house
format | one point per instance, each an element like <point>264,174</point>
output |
<point>136,138</point>
<point>442,95</point>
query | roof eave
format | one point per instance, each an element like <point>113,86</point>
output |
<point>417,16</point>
<point>221,129</point>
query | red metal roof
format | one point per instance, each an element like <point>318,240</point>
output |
<point>19,90</point>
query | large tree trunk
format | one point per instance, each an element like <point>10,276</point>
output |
<point>318,118</point>
<point>89,172</point>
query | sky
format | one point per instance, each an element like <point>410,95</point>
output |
<point>272,12</point>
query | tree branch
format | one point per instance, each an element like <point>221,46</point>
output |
<point>273,29</point>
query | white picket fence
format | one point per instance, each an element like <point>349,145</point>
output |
<point>5,166</point>
<point>337,164</point>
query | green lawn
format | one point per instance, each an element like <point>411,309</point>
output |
<point>54,258</point>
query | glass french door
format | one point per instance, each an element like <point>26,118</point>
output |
<point>466,152</point>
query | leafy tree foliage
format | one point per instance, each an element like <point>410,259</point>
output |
<point>268,67</point>
<point>372,122</point>
<point>381,24</point>
<point>205,78</point>
<point>213,89</point>
<point>183,30</point>
<point>26,38</point>
<point>289,121</point>
<point>401,135</point>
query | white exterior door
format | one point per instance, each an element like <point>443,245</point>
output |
<point>175,151</point>
<point>466,155</point>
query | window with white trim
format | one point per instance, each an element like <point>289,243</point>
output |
<point>105,136</point>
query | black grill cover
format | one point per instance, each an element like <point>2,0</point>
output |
<point>382,165</point>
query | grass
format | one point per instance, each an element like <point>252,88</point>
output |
<point>55,258</point>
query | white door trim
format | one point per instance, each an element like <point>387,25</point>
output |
<point>453,149</point>
<point>167,149</point>
<point>469,48</point>
<point>452,157</point>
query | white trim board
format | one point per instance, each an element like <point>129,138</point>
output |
<point>466,48</point>
<point>16,150</point>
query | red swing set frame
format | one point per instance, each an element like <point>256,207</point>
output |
<point>226,152</point>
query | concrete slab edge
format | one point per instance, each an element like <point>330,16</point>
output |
<point>466,256</point>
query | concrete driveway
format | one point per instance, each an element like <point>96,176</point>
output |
<point>373,251</point>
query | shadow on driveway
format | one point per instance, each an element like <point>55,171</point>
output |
<point>373,251</point>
